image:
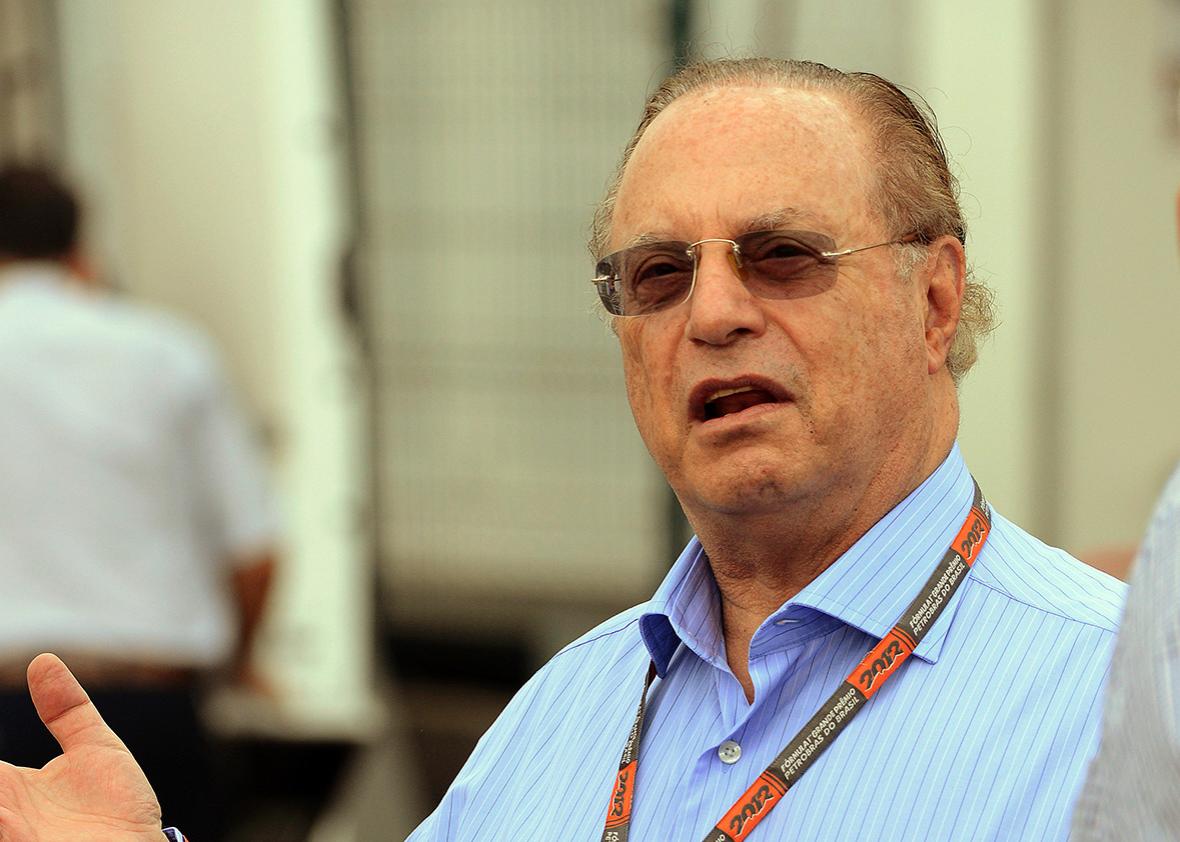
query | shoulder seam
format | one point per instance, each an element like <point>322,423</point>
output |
<point>1112,630</point>
<point>579,643</point>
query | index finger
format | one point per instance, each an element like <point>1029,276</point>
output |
<point>65,708</point>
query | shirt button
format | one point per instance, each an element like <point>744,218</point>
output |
<point>729,752</point>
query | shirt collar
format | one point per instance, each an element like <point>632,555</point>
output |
<point>867,587</point>
<point>33,274</point>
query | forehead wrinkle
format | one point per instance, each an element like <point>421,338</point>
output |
<point>772,220</point>
<point>745,115</point>
<point>782,218</point>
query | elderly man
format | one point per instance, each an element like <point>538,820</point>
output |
<point>854,646</point>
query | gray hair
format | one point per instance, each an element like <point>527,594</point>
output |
<point>915,191</point>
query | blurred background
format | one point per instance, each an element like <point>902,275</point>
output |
<point>378,209</point>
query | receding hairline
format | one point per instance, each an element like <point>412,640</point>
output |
<point>773,86</point>
<point>844,100</point>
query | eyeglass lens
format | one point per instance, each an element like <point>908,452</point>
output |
<point>651,277</point>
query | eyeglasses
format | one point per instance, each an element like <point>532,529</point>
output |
<point>651,277</point>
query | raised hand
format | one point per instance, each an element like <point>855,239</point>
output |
<point>94,790</point>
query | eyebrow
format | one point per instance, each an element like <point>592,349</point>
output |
<point>646,240</point>
<point>780,218</point>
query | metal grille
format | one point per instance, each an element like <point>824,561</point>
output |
<point>29,99</point>
<point>507,460</point>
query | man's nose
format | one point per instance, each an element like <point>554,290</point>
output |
<point>722,308</point>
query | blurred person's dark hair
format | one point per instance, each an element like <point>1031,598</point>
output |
<point>38,214</point>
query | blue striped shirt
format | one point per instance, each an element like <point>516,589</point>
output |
<point>983,735</point>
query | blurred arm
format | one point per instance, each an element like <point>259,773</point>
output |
<point>252,580</point>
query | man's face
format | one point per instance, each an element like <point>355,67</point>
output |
<point>839,378</point>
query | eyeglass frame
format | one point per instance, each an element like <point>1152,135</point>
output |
<point>691,251</point>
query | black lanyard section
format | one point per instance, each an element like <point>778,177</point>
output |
<point>882,661</point>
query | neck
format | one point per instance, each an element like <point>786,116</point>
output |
<point>72,265</point>
<point>762,561</point>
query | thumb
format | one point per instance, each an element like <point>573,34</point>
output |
<point>65,708</point>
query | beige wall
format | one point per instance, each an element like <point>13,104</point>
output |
<point>1055,113</point>
<point>977,65</point>
<point>165,132</point>
<point>206,136</point>
<point>1118,289</point>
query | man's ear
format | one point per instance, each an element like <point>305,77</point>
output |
<point>944,276</point>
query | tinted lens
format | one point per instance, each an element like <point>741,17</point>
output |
<point>773,264</point>
<point>645,279</point>
<point>787,264</point>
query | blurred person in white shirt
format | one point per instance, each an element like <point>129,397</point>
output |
<point>137,531</point>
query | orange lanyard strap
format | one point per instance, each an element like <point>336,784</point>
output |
<point>882,661</point>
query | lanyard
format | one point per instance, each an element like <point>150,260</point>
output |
<point>882,661</point>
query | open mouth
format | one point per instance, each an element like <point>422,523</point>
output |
<point>729,401</point>
<point>715,399</point>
